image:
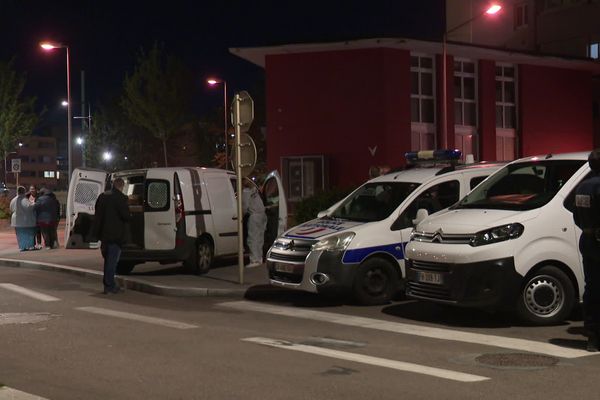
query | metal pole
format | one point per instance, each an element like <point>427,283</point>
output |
<point>444,95</point>
<point>225,118</point>
<point>238,171</point>
<point>82,114</point>
<point>69,139</point>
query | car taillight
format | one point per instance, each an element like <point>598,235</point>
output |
<point>179,208</point>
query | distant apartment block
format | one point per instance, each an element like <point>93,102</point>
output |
<point>38,163</point>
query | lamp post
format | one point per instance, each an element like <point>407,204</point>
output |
<point>491,10</point>
<point>213,82</point>
<point>80,139</point>
<point>48,46</point>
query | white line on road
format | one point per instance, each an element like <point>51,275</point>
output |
<point>364,359</point>
<point>137,317</point>
<point>416,330</point>
<point>27,292</point>
<point>7,393</point>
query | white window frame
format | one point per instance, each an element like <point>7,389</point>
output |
<point>503,133</point>
<point>462,75</point>
<point>522,9</point>
<point>419,129</point>
<point>286,180</point>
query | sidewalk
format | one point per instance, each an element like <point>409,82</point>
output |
<point>166,280</point>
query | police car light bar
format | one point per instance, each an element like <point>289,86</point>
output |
<point>432,155</point>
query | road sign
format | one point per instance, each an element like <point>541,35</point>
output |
<point>244,105</point>
<point>16,165</point>
<point>247,153</point>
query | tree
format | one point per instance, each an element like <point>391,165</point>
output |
<point>17,115</point>
<point>157,96</point>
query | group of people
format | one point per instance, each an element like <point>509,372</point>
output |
<point>35,215</point>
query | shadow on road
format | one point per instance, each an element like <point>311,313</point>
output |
<point>271,294</point>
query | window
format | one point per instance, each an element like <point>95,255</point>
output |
<point>465,93</point>
<point>434,199</point>
<point>506,112</point>
<point>521,15</point>
<point>157,197</point>
<point>593,51</point>
<point>49,174</point>
<point>476,181</point>
<point>303,176</point>
<point>422,102</point>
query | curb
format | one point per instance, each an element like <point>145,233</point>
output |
<point>128,283</point>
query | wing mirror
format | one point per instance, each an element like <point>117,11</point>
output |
<point>421,215</point>
<point>321,214</point>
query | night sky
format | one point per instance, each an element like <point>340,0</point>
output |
<point>105,35</point>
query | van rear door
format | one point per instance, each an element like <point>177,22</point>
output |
<point>159,210</point>
<point>275,207</point>
<point>85,187</point>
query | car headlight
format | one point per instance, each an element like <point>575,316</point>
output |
<point>334,243</point>
<point>497,234</point>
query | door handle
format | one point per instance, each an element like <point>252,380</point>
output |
<point>234,218</point>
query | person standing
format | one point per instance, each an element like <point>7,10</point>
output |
<point>48,211</point>
<point>23,220</point>
<point>32,195</point>
<point>587,217</point>
<point>252,204</point>
<point>110,226</point>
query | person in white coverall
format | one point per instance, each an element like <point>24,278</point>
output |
<point>252,204</point>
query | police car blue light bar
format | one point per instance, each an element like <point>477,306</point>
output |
<point>433,155</point>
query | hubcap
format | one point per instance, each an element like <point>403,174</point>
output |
<point>375,281</point>
<point>203,255</point>
<point>544,296</point>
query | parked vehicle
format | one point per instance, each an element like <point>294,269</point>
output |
<point>510,242</point>
<point>178,214</point>
<point>357,245</point>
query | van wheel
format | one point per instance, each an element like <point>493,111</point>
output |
<point>201,261</point>
<point>125,267</point>
<point>376,282</point>
<point>546,298</point>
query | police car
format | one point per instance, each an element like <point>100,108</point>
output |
<point>510,242</point>
<point>357,245</point>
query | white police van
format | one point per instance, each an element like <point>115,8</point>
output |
<point>357,245</point>
<point>177,214</point>
<point>510,242</point>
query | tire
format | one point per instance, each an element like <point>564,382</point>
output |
<point>201,261</point>
<point>546,298</point>
<point>376,282</point>
<point>125,267</point>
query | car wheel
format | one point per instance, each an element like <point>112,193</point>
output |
<point>125,267</point>
<point>546,298</point>
<point>201,261</point>
<point>376,282</point>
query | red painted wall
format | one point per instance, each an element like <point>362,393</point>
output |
<point>555,109</point>
<point>487,110</point>
<point>339,104</point>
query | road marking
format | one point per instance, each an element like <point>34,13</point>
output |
<point>409,329</point>
<point>7,393</point>
<point>27,292</point>
<point>137,317</point>
<point>364,359</point>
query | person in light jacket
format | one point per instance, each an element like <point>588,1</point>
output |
<point>47,211</point>
<point>23,220</point>
<point>252,204</point>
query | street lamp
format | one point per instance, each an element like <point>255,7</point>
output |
<point>48,46</point>
<point>491,10</point>
<point>213,82</point>
<point>81,140</point>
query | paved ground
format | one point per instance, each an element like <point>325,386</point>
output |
<point>172,279</point>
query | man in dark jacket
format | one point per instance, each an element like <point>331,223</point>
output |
<point>587,217</point>
<point>47,210</point>
<point>110,227</point>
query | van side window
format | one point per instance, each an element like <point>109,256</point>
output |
<point>569,202</point>
<point>476,181</point>
<point>157,195</point>
<point>434,199</point>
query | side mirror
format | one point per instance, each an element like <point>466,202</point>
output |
<point>321,214</point>
<point>421,215</point>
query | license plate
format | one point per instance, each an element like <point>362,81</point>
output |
<point>287,268</point>
<point>430,277</point>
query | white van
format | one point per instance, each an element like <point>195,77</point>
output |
<point>178,214</point>
<point>358,244</point>
<point>510,242</point>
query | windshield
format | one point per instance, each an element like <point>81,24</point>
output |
<point>374,201</point>
<point>522,186</point>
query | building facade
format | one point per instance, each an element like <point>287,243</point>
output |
<point>38,157</point>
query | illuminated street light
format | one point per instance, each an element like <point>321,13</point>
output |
<point>79,140</point>
<point>64,103</point>
<point>107,156</point>
<point>491,10</point>
<point>48,46</point>
<point>214,82</point>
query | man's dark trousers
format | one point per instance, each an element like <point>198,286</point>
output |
<point>111,253</point>
<point>590,251</point>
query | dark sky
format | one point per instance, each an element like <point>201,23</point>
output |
<point>105,35</point>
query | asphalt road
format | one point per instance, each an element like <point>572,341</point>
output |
<point>60,338</point>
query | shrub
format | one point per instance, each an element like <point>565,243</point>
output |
<point>308,208</point>
<point>4,207</point>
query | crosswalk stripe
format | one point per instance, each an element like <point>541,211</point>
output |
<point>409,329</point>
<point>27,292</point>
<point>137,317</point>
<point>364,359</point>
<point>7,393</point>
